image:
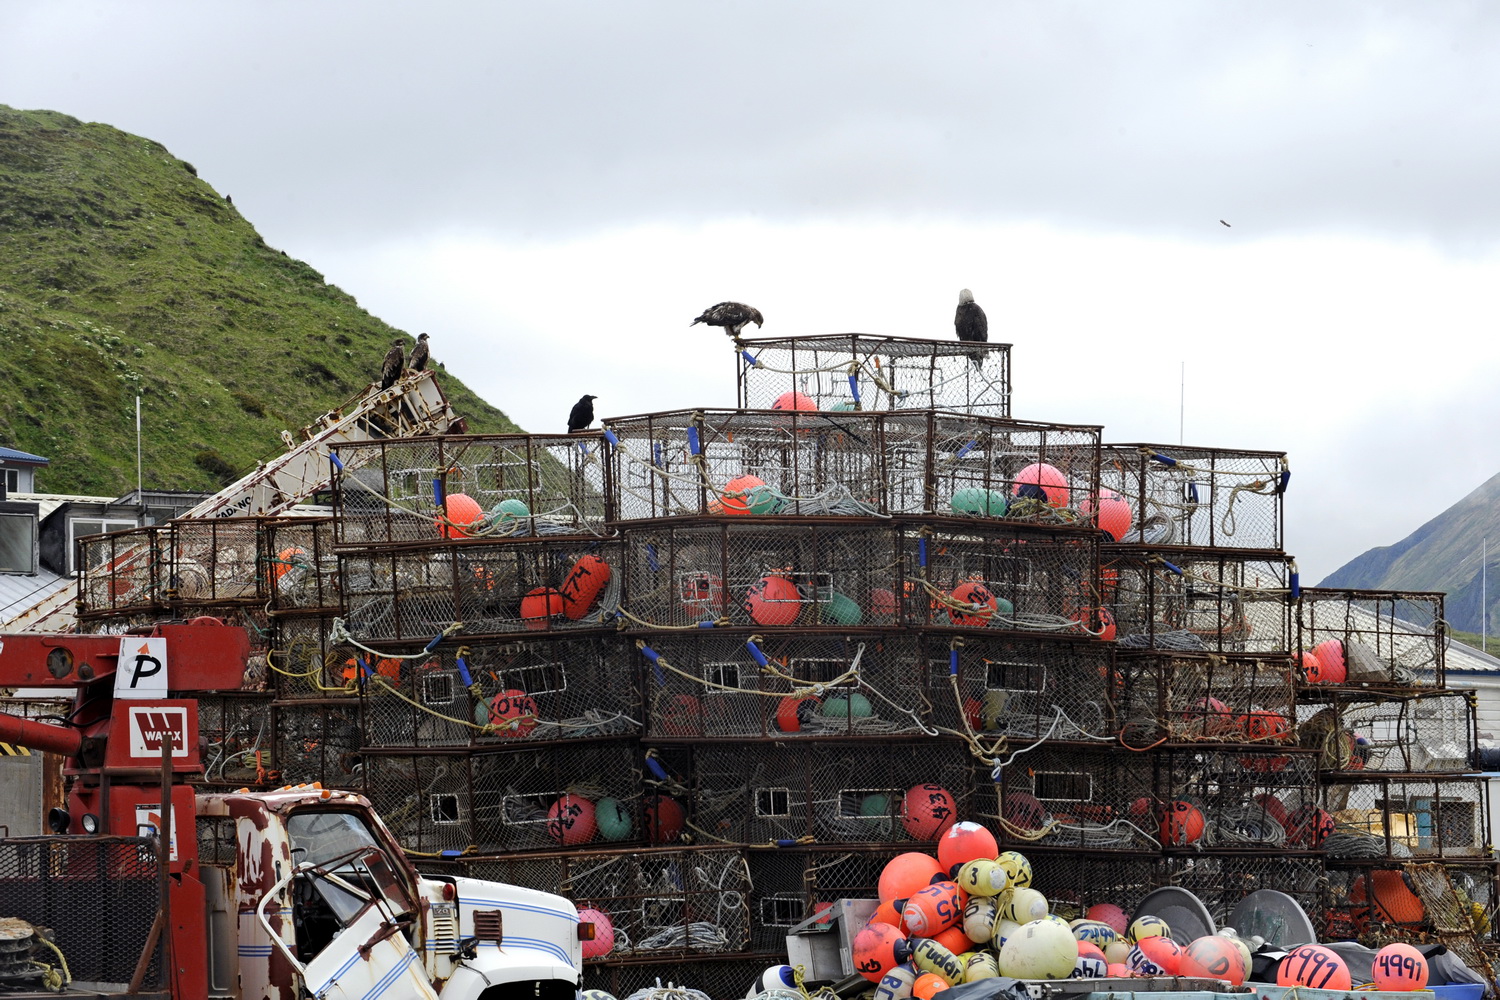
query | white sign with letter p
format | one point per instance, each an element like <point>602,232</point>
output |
<point>142,669</point>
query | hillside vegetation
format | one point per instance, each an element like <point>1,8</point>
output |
<point>123,273</point>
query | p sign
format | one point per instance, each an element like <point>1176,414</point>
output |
<point>142,668</point>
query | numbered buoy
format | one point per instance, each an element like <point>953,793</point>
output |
<point>1213,957</point>
<point>981,919</point>
<point>984,605</point>
<point>571,820</point>
<point>982,877</point>
<point>583,585</point>
<point>513,714</point>
<point>1147,925</point>
<point>904,874</point>
<point>1399,967</point>
<point>614,820</point>
<point>964,842</point>
<point>875,950</point>
<point>1091,962</point>
<point>1016,865</point>
<point>1315,966</point>
<point>980,965</point>
<point>1182,823</point>
<point>926,811</point>
<point>932,909</point>
<point>1095,932</point>
<point>1157,955</point>
<point>603,940</point>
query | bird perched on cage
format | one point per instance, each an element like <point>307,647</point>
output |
<point>970,324</point>
<point>418,362</point>
<point>732,316</point>
<point>394,363</point>
<point>581,415</point>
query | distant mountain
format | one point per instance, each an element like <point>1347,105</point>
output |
<point>1443,554</point>
<point>121,272</point>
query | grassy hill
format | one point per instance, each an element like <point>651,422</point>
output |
<point>1443,554</point>
<point>122,272</point>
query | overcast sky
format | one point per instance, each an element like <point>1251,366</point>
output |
<point>554,190</point>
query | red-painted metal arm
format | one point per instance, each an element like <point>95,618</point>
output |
<point>40,735</point>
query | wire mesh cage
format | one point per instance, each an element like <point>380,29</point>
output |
<point>1022,687</point>
<point>1432,732</point>
<point>760,575</point>
<point>1075,881</point>
<point>1419,902</point>
<point>1260,799</point>
<point>318,742</point>
<point>123,572</point>
<point>720,978</point>
<point>237,736</point>
<point>659,903</point>
<point>804,462</point>
<point>65,885</point>
<point>493,692</point>
<point>858,370</point>
<point>299,569</point>
<point>1200,497</point>
<point>217,560</point>
<point>708,684</point>
<point>306,663</point>
<point>1012,578</point>
<point>252,618</point>
<point>471,486</point>
<point>1382,639</point>
<point>1221,880</point>
<point>1409,816</point>
<point>1058,796</point>
<point>1218,601</point>
<point>1204,697</point>
<point>493,589</point>
<point>520,800</point>
<point>829,793</point>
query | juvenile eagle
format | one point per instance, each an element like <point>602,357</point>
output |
<point>582,414</point>
<point>395,360</point>
<point>418,362</point>
<point>732,316</point>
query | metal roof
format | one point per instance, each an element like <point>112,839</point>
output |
<point>48,502</point>
<point>15,455</point>
<point>18,593</point>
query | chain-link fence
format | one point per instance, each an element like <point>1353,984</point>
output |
<point>1203,697</point>
<point>1432,732</point>
<point>492,588</point>
<point>97,896</point>
<point>1382,639</point>
<point>846,371</point>
<point>1199,600</point>
<point>1054,795</point>
<point>1201,497</point>
<point>1408,816</point>
<point>472,486</point>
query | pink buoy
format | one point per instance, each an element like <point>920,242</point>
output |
<point>601,930</point>
<point>1315,966</point>
<point>571,820</point>
<point>794,401</point>
<point>773,600</point>
<point>1109,511</point>
<point>1109,913</point>
<point>1399,967</point>
<point>965,842</point>
<point>1040,481</point>
<point>1333,668</point>
<point>927,810</point>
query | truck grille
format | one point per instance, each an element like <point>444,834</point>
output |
<point>444,929</point>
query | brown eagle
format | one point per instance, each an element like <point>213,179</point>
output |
<point>732,316</point>
<point>395,361</point>
<point>418,362</point>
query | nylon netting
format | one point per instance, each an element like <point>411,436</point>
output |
<point>1400,817</point>
<point>1061,796</point>
<point>1259,798</point>
<point>1220,881</point>
<point>1019,688</point>
<point>318,742</point>
<point>1204,497</point>
<point>238,737</point>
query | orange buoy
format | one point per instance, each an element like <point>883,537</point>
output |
<point>1389,897</point>
<point>792,711</point>
<point>1182,823</point>
<point>978,595</point>
<point>1157,955</point>
<point>954,939</point>
<point>773,600</point>
<point>874,950</point>
<point>928,985</point>
<point>1399,967</point>
<point>1213,957</point>
<point>460,512</point>
<point>1109,511</point>
<point>904,874</point>
<point>702,594</point>
<point>513,713</point>
<point>583,584</point>
<point>1330,653</point>
<point>794,401</point>
<point>932,909</point>
<point>964,842</point>
<point>664,819</point>
<point>1314,966</point>
<point>886,913</point>
<point>926,811</point>
<point>1108,913</point>
<point>735,499</point>
<point>882,602</point>
<point>540,604</point>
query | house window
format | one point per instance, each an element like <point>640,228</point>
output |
<point>17,543</point>
<point>12,480</point>
<point>81,526</point>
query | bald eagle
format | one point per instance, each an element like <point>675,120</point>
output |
<point>418,361</point>
<point>732,316</point>
<point>395,360</point>
<point>970,324</point>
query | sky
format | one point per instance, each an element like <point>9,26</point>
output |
<point>553,191</point>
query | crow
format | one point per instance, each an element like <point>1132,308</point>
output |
<point>581,415</point>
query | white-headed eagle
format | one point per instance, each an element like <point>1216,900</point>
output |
<point>970,324</point>
<point>418,362</point>
<point>394,363</point>
<point>732,316</point>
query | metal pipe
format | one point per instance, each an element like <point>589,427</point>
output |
<point>40,735</point>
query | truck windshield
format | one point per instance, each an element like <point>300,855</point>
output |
<point>320,837</point>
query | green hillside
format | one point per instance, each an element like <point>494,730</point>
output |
<point>122,272</point>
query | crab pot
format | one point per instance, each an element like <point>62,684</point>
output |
<point>503,693</point>
<point>1019,687</point>
<point>1014,579</point>
<point>1432,732</point>
<point>1221,880</point>
<point>1072,881</point>
<point>1386,639</point>
<point>1199,601</point>
<point>983,468</point>
<point>318,742</point>
<point>300,570</point>
<point>217,560</point>
<point>1200,697</point>
<point>1064,796</point>
<point>661,903</point>
<point>1218,498</point>
<point>758,575</point>
<point>1419,903</point>
<point>1408,816</point>
<point>1257,798</point>
<point>709,684</point>
<point>791,884</point>
<point>713,976</point>
<point>514,485</point>
<point>520,800</point>
<point>238,737</point>
<point>833,793</point>
<point>889,373</point>
<point>122,572</point>
<point>306,664</point>
<point>495,589</point>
